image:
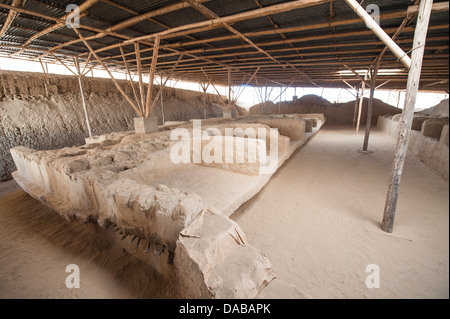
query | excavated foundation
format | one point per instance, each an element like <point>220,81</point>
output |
<point>166,196</point>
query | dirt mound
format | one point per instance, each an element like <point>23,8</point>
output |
<point>336,113</point>
<point>439,110</point>
<point>49,115</point>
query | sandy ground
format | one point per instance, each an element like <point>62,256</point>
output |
<point>318,220</point>
<point>36,245</point>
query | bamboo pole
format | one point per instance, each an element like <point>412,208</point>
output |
<point>370,107</point>
<point>62,62</point>
<point>229,84</point>
<point>131,80</point>
<point>356,107</point>
<point>217,91</point>
<point>77,66</point>
<point>248,81</point>
<point>151,77</point>
<point>82,8</point>
<point>163,85</point>
<point>283,90</point>
<point>380,33</point>
<point>11,16</point>
<point>405,122</point>
<point>130,101</point>
<point>139,69</point>
<point>361,103</point>
<point>45,72</point>
<point>162,103</point>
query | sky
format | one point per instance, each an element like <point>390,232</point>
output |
<point>248,95</point>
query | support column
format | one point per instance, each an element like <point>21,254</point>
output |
<point>148,102</point>
<point>405,122</point>
<point>370,107</point>
<point>77,65</point>
<point>355,112</point>
<point>162,105</point>
<point>361,101</point>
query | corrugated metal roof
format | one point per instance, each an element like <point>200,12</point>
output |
<point>324,48</point>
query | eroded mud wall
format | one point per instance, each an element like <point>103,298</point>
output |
<point>48,114</point>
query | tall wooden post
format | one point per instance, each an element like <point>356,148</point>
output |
<point>77,65</point>
<point>139,68</point>
<point>162,105</point>
<point>405,123</point>
<point>370,107</point>
<point>148,101</point>
<point>361,101</point>
<point>230,92</point>
<point>355,112</point>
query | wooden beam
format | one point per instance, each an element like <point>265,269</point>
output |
<point>248,81</point>
<point>11,16</point>
<point>152,77</point>
<point>139,70</point>
<point>405,122</point>
<point>212,16</point>
<point>211,83</point>
<point>130,101</point>
<point>131,80</point>
<point>355,112</point>
<point>380,33</point>
<point>278,8</point>
<point>370,108</point>
<point>284,90</point>
<point>60,61</point>
<point>45,71</point>
<point>83,99</point>
<point>356,74</point>
<point>87,62</point>
<point>82,8</point>
<point>361,103</point>
<point>163,85</point>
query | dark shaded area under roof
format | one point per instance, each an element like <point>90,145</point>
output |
<point>307,45</point>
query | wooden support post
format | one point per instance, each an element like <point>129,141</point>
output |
<point>45,71</point>
<point>229,84</point>
<point>212,84</point>
<point>87,62</point>
<point>356,106</point>
<point>130,101</point>
<point>148,102</point>
<point>248,81</point>
<point>284,90</point>
<point>162,105</point>
<point>77,66</point>
<point>62,62</point>
<point>398,98</point>
<point>139,68</point>
<point>380,33</point>
<point>405,122</point>
<point>204,87</point>
<point>370,107</point>
<point>131,80</point>
<point>358,122</point>
<point>163,85</point>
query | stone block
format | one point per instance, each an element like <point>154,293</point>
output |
<point>144,125</point>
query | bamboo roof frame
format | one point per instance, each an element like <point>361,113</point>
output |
<point>280,61</point>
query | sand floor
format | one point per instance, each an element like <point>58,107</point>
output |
<point>317,220</point>
<point>36,245</point>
